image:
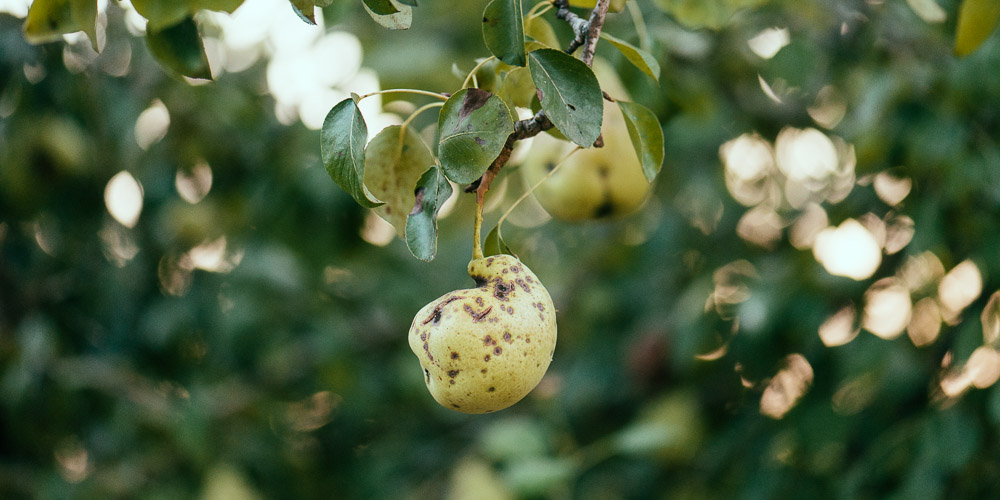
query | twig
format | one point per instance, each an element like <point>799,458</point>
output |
<point>595,24</point>
<point>530,127</point>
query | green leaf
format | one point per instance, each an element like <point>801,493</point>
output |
<point>305,9</point>
<point>180,50</point>
<point>640,58</point>
<point>227,6</point>
<point>381,7</point>
<point>394,162</point>
<point>517,89</point>
<point>160,14</point>
<point>713,14</point>
<point>411,3</point>
<point>541,31</point>
<point>432,190</point>
<point>342,147</point>
<point>976,20</point>
<point>48,20</point>
<point>494,244</point>
<point>390,13</point>
<point>503,31</point>
<point>614,6</point>
<point>647,136</point>
<point>473,125</point>
<point>569,93</point>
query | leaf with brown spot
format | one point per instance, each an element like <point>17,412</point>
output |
<point>474,126</point>
<point>421,224</point>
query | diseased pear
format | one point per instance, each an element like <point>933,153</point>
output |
<point>483,349</point>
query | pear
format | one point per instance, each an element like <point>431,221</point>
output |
<point>593,183</point>
<point>483,349</point>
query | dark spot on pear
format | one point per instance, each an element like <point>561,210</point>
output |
<point>427,376</point>
<point>604,209</point>
<point>506,336</point>
<point>452,373</point>
<point>497,351</point>
<point>455,405</point>
<point>487,339</point>
<point>523,285</point>
<point>454,355</point>
<point>486,358</point>
<point>479,300</point>
<point>491,389</point>
<point>483,370</point>
<point>452,382</point>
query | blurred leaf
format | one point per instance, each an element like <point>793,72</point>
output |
<point>48,20</point>
<point>394,162</point>
<point>517,89</point>
<point>161,14</point>
<point>977,19</point>
<point>342,147</point>
<point>503,31</point>
<point>537,477</point>
<point>669,428</point>
<point>474,125</point>
<point>411,3</point>
<point>513,438</point>
<point>433,189</point>
<point>569,93</point>
<point>474,479</point>
<point>540,29</point>
<point>390,13</point>
<point>615,6</point>
<point>647,136</point>
<point>638,57</point>
<point>179,48</point>
<point>305,9</point>
<point>713,14</point>
<point>495,245</point>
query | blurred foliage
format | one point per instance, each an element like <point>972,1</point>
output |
<point>689,362</point>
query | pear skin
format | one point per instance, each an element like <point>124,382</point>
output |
<point>483,349</point>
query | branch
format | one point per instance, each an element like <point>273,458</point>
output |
<point>587,34</point>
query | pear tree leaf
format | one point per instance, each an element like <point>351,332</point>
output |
<point>227,6</point>
<point>615,6</point>
<point>411,3</point>
<point>390,13</point>
<point>647,136</point>
<point>342,147</point>
<point>542,32</point>
<point>305,9</point>
<point>638,57</point>
<point>517,89</point>
<point>494,244</point>
<point>160,14</point>
<point>179,49</point>
<point>48,20</point>
<point>394,161</point>
<point>569,94</point>
<point>323,3</point>
<point>473,127</point>
<point>712,14</point>
<point>432,190</point>
<point>503,31</point>
<point>381,7</point>
<point>976,20</point>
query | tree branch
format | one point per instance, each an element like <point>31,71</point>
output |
<point>587,34</point>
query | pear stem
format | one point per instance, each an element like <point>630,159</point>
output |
<point>443,97</point>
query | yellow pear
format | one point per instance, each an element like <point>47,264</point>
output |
<point>592,183</point>
<point>483,349</point>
